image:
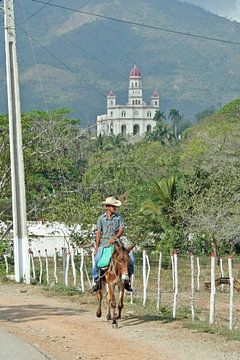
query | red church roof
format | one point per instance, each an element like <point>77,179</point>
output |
<point>111,93</point>
<point>155,94</point>
<point>135,72</point>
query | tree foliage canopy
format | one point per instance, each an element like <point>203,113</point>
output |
<point>183,195</point>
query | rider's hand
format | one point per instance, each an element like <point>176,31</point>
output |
<point>112,241</point>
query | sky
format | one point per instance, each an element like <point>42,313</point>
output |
<point>225,8</point>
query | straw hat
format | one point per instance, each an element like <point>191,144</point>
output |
<point>112,201</point>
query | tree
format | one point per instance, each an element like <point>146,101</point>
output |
<point>162,133</point>
<point>175,118</point>
<point>159,116</point>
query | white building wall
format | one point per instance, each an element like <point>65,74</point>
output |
<point>128,115</point>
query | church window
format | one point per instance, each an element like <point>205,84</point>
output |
<point>138,102</point>
<point>149,128</point>
<point>123,113</point>
<point>156,102</point>
<point>123,130</point>
<point>136,129</point>
<point>111,114</point>
<point>149,114</point>
<point>111,102</point>
<point>136,84</point>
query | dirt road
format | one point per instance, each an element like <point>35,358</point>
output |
<point>67,329</point>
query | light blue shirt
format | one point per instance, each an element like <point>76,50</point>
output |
<point>109,227</point>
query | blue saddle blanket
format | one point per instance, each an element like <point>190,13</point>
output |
<point>106,256</point>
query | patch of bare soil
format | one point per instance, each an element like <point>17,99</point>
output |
<point>67,329</point>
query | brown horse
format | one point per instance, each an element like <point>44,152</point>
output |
<point>115,274</point>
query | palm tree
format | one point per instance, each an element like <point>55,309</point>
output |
<point>116,141</point>
<point>175,117</point>
<point>160,205</point>
<point>159,116</point>
<point>162,133</point>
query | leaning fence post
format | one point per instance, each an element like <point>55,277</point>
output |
<point>192,287</point>
<point>213,289</point>
<point>231,305</point>
<point>40,266</point>
<point>47,270</point>
<point>159,281</point>
<point>175,263</point>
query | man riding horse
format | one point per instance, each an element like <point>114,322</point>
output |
<point>110,227</point>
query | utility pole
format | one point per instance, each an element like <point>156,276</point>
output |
<point>21,256</point>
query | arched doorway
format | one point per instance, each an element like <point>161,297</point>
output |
<point>136,129</point>
<point>123,130</point>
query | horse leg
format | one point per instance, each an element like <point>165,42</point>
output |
<point>112,304</point>
<point>120,300</point>
<point>99,309</point>
<point>109,305</point>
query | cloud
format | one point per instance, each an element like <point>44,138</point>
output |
<point>225,8</point>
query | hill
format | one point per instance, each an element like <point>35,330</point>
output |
<point>69,59</point>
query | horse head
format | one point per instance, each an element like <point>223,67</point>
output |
<point>121,261</point>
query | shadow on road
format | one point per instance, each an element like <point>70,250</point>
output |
<point>25,313</point>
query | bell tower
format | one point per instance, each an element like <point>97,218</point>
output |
<point>135,87</point>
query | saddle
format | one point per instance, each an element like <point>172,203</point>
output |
<point>106,257</point>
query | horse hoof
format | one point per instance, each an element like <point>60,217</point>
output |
<point>108,317</point>
<point>115,325</point>
<point>98,314</point>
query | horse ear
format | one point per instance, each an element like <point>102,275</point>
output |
<point>117,246</point>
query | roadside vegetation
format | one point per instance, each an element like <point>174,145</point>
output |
<point>177,194</point>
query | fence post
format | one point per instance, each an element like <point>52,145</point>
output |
<point>192,287</point>
<point>63,263</point>
<point>222,273</point>
<point>173,276</point>
<point>47,271</point>
<point>213,289</point>
<point>81,269</point>
<point>72,254</point>
<point>159,281</point>
<point>175,263</point>
<point>32,263</point>
<point>67,268</point>
<point>231,305</point>
<point>55,266</point>
<point>6,263</point>
<point>93,262</point>
<point>198,273</point>
<point>40,266</point>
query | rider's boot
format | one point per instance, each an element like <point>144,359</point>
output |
<point>96,286</point>
<point>127,286</point>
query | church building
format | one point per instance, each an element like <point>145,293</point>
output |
<point>133,119</point>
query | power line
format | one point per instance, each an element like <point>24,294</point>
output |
<point>64,64</point>
<point>140,24</point>
<point>35,13</point>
